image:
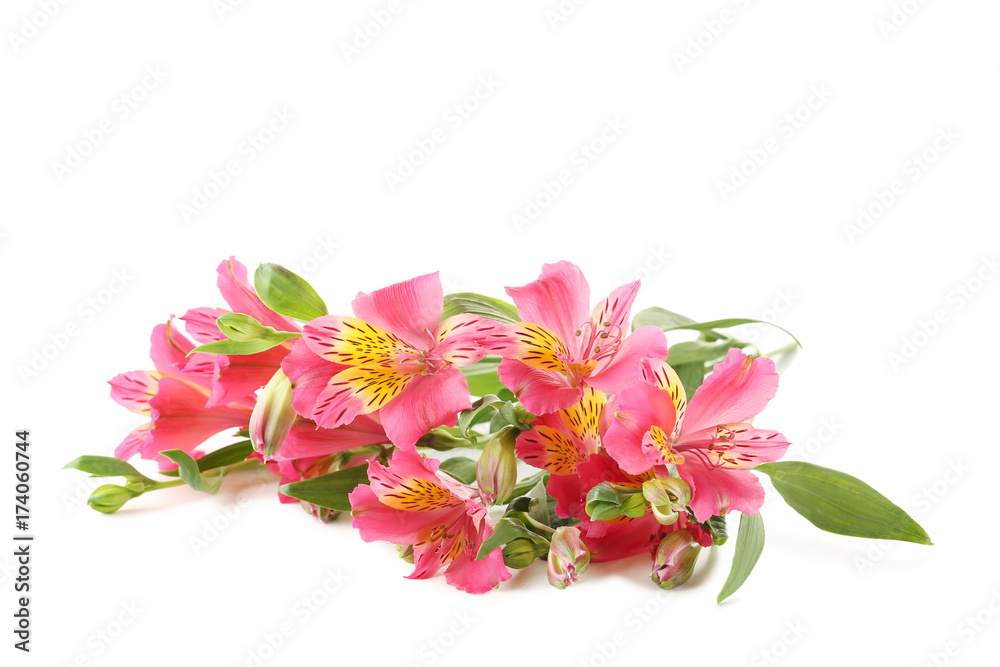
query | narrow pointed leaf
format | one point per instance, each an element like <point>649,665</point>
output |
<point>838,503</point>
<point>749,545</point>
<point>228,455</point>
<point>106,466</point>
<point>330,490</point>
<point>477,304</point>
<point>461,468</point>
<point>670,321</point>
<point>187,467</point>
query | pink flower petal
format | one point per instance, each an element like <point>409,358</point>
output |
<point>617,307</point>
<point>716,490</point>
<point>558,300</point>
<point>639,408</point>
<point>181,420</point>
<point>168,350</point>
<point>376,521</point>
<point>200,324</point>
<point>461,337</point>
<point>135,389</point>
<point>624,368</point>
<point>309,374</point>
<point>427,402</point>
<point>538,390</point>
<point>308,440</point>
<point>238,376</point>
<point>134,442</point>
<point>236,289</point>
<point>735,391</point>
<point>477,576</point>
<point>410,309</point>
<point>741,445</point>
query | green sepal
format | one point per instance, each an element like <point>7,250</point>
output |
<point>187,467</point>
<point>749,545</point>
<point>717,527</point>
<point>330,490</point>
<point>839,503</point>
<point>477,304</point>
<point>286,293</point>
<point>478,413</point>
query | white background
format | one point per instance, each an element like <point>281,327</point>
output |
<point>783,245</point>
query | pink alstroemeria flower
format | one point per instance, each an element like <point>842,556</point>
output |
<point>396,357</point>
<point>709,440</point>
<point>174,399</point>
<point>616,538</point>
<point>411,503</point>
<point>236,376</point>
<point>560,441</point>
<point>561,346</point>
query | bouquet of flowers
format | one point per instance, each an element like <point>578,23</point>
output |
<point>595,440</point>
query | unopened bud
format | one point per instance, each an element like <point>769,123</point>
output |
<point>568,557</point>
<point>668,497</point>
<point>496,472</point>
<point>674,560</point>
<point>608,501</point>
<point>240,327</point>
<point>273,416</point>
<point>110,498</point>
<point>522,552</point>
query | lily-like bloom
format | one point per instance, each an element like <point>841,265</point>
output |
<point>560,441</point>
<point>562,346</point>
<point>411,503</point>
<point>616,538</point>
<point>709,440</point>
<point>568,557</point>
<point>174,399</point>
<point>395,357</point>
<point>235,376</point>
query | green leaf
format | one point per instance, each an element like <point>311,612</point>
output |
<point>226,456</point>
<point>528,483</point>
<point>477,304</point>
<point>838,503</point>
<point>330,490</point>
<point>106,466</point>
<point>461,468</point>
<point>669,321</point>
<point>286,293</point>
<point>660,317</point>
<point>749,545</point>
<point>698,351</point>
<point>188,469</point>
<point>482,376</point>
<point>691,376</point>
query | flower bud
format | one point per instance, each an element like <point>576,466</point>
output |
<point>522,552</point>
<point>496,472</point>
<point>110,498</point>
<point>272,416</point>
<point>608,501</point>
<point>674,560</point>
<point>668,497</point>
<point>568,557</point>
<point>240,327</point>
